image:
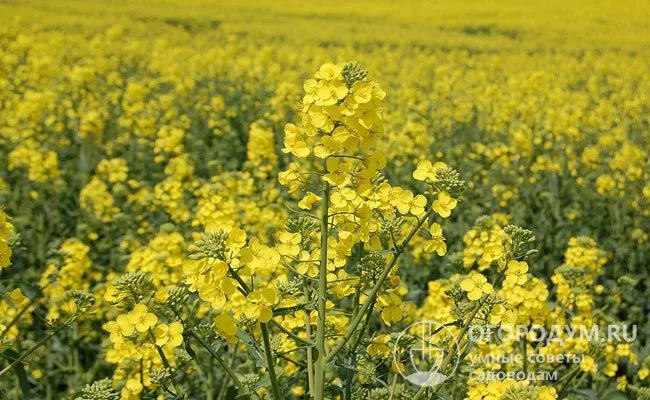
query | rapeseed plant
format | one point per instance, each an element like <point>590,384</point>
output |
<point>192,211</point>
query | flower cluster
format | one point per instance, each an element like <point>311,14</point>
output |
<point>141,343</point>
<point>6,229</point>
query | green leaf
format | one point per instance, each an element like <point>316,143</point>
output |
<point>253,350</point>
<point>19,369</point>
<point>613,394</point>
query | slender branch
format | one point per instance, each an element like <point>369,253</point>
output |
<point>165,362</point>
<point>524,345</point>
<point>353,354</point>
<point>267,342</point>
<point>392,387</point>
<point>244,287</point>
<point>347,156</point>
<point>291,334</point>
<point>219,360</point>
<point>294,362</point>
<point>36,346</point>
<point>348,373</point>
<point>17,316</point>
<point>375,290</point>
<point>459,337</point>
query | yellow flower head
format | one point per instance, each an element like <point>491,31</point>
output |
<point>476,285</point>
<point>437,241</point>
<point>141,318</point>
<point>426,171</point>
<point>170,335</point>
<point>226,327</point>
<point>444,204</point>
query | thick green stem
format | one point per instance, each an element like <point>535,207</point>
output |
<point>319,363</point>
<point>270,364</point>
<point>310,358</point>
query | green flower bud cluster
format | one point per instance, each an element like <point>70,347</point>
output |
<point>178,297</point>
<point>211,245</point>
<point>370,268</point>
<point>205,331</point>
<point>83,300</point>
<point>301,224</point>
<point>520,392</point>
<point>162,377</point>
<point>100,390</point>
<point>133,287</point>
<point>290,288</point>
<point>448,180</point>
<point>399,392</point>
<point>520,237</point>
<point>352,72</point>
<point>389,228</point>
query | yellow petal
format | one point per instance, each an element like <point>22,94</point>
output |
<point>467,285</point>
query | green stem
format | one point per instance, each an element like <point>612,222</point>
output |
<point>165,362</point>
<point>267,342</point>
<point>447,360</point>
<point>208,392</point>
<point>76,363</point>
<point>319,363</point>
<point>353,355</point>
<point>17,317</point>
<point>356,342</point>
<point>392,387</point>
<point>271,365</point>
<point>224,386</point>
<point>36,346</point>
<point>219,360</point>
<point>293,335</point>
<point>365,308</point>
<point>524,345</point>
<point>310,355</point>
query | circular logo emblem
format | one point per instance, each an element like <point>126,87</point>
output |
<point>422,351</point>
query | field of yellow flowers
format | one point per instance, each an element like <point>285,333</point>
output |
<point>266,200</point>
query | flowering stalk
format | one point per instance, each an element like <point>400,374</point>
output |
<point>319,364</point>
<point>37,345</point>
<point>267,342</point>
<point>269,360</point>
<point>366,307</point>
<point>310,355</point>
<point>219,360</point>
<point>17,316</point>
<point>465,327</point>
